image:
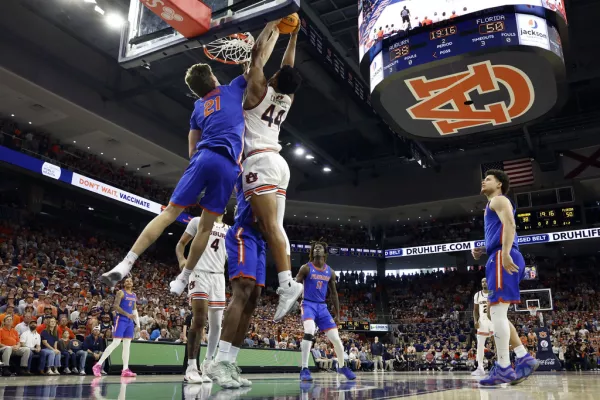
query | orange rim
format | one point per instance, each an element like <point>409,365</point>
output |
<point>240,36</point>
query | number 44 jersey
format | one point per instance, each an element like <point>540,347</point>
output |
<point>215,255</point>
<point>264,121</point>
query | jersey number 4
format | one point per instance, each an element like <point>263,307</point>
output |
<point>268,116</point>
<point>215,245</point>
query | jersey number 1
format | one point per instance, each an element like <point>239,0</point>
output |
<point>268,116</point>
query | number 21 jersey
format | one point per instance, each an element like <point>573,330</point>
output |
<point>264,121</point>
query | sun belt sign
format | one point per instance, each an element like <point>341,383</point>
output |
<point>446,101</point>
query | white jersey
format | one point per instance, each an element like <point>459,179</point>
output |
<point>264,121</point>
<point>483,303</point>
<point>215,255</point>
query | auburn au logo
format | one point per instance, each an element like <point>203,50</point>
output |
<point>446,100</point>
<point>251,177</point>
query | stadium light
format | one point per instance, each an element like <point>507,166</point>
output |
<point>326,169</point>
<point>29,122</point>
<point>114,21</point>
<point>99,10</point>
<point>12,115</point>
<point>90,1</point>
<point>90,208</point>
<point>299,151</point>
<point>310,157</point>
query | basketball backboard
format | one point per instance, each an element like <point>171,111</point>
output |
<point>146,38</point>
<point>540,298</point>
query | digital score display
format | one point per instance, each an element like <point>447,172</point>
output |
<point>443,32</point>
<point>354,326</point>
<point>549,218</point>
<point>492,27</point>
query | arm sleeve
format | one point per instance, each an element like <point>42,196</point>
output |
<point>192,227</point>
<point>193,122</point>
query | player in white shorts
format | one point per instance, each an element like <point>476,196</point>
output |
<point>206,291</point>
<point>266,174</point>
<point>483,324</point>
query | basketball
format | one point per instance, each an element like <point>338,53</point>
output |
<point>289,24</point>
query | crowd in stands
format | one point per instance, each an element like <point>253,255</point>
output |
<point>333,234</point>
<point>437,231</point>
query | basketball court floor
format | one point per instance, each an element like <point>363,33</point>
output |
<point>424,385</point>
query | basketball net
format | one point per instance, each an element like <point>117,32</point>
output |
<point>533,311</point>
<point>232,49</point>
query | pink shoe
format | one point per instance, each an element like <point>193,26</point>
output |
<point>97,369</point>
<point>127,373</point>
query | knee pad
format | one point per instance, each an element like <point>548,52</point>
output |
<point>309,337</point>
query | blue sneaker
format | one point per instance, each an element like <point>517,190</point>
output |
<point>499,375</point>
<point>347,372</point>
<point>305,375</point>
<point>525,366</point>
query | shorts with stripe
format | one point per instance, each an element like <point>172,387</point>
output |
<point>504,288</point>
<point>486,328</point>
<point>211,171</point>
<point>246,254</point>
<point>207,286</point>
<point>265,172</point>
<point>123,327</point>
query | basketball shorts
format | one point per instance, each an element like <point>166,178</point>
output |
<point>504,288</point>
<point>123,327</point>
<point>319,313</point>
<point>485,327</point>
<point>208,286</point>
<point>208,170</point>
<point>246,254</point>
<point>264,173</point>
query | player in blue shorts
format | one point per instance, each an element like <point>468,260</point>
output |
<point>125,321</point>
<point>504,271</point>
<point>215,149</point>
<point>247,255</point>
<point>318,277</point>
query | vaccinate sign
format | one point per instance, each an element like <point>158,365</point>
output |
<point>562,236</point>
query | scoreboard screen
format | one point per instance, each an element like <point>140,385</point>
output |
<point>353,326</point>
<point>548,218</point>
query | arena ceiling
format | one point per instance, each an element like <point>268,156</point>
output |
<point>340,133</point>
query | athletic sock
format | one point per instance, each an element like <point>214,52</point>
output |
<point>520,351</point>
<point>233,353</point>
<point>284,277</point>
<point>480,350</point>
<point>501,333</point>
<point>223,353</point>
<point>131,257</point>
<point>305,345</point>
<point>185,274</point>
<point>192,363</point>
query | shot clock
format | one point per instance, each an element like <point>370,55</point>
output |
<point>548,218</point>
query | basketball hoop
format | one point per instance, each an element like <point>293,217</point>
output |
<point>232,49</point>
<point>532,310</point>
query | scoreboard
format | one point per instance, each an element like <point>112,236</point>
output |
<point>548,218</point>
<point>353,326</point>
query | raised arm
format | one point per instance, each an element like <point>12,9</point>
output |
<point>255,76</point>
<point>332,289</point>
<point>290,52</point>
<point>503,207</point>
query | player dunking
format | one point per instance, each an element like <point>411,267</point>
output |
<point>318,277</point>
<point>504,271</point>
<point>483,325</point>
<point>207,295</point>
<point>215,150</point>
<point>266,173</point>
<point>124,325</point>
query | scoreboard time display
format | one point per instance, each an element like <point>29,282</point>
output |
<point>353,326</point>
<point>548,218</point>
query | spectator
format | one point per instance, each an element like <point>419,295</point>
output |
<point>377,351</point>
<point>32,340</point>
<point>363,356</point>
<point>24,325</point>
<point>62,327</point>
<point>93,345</point>
<point>323,362</point>
<point>50,355</point>
<point>70,349</point>
<point>10,311</point>
<point>11,345</point>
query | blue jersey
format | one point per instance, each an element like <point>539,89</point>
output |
<point>220,117</point>
<point>128,302</point>
<point>315,283</point>
<point>494,231</point>
<point>244,217</point>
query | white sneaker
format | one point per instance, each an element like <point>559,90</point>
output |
<point>236,375</point>
<point>112,277</point>
<point>288,296</point>
<point>220,372</point>
<point>205,366</point>
<point>206,378</point>
<point>478,372</point>
<point>178,286</point>
<point>192,376</point>
<point>67,371</point>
